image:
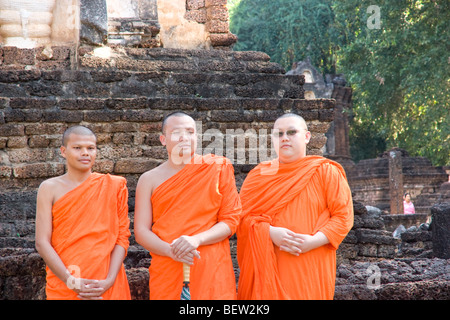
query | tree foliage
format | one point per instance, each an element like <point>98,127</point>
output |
<point>399,72</point>
<point>287,30</point>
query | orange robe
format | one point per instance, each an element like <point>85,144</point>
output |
<point>306,196</point>
<point>88,222</point>
<point>202,194</point>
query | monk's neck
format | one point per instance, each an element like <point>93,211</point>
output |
<point>179,163</point>
<point>290,160</point>
<point>78,177</point>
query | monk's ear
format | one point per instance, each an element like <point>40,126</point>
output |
<point>162,139</point>
<point>63,151</point>
<point>308,136</point>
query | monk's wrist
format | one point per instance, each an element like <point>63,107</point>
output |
<point>320,239</point>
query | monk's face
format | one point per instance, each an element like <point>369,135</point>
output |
<point>290,137</point>
<point>80,151</point>
<point>180,137</point>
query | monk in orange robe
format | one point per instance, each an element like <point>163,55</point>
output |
<point>82,226</point>
<point>185,211</point>
<point>296,210</point>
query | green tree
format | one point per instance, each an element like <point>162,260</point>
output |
<point>399,73</point>
<point>399,69</point>
<point>287,30</point>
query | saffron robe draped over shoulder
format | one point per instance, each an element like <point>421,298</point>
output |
<point>196,198</point>
<point>88,222</point>
<point>306,196</point>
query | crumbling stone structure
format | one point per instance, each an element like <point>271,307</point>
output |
<point>370,181</point>
<point>180,24</point>
<point>375,265</point>
<point>122,91</point>
<point>123,98</point>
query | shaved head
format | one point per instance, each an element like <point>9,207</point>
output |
<point>293,115</point>
<point>78,130</point>
<point>173,114</point>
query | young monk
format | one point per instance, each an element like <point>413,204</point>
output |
<point>82,226</point>
<point>186,209</point>
<point>296,211</point>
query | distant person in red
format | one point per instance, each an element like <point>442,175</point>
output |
<point>408,206</point>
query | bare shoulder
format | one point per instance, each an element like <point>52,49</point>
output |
<point>150,178</point>
<point>148,175</point>
<point>48,190</point>
<point>50,184</point>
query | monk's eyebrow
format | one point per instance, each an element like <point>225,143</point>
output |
<point>289,128</point>
<point>183,128</point>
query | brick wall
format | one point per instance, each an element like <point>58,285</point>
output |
<point>123,99</point>
<point>214,14</point>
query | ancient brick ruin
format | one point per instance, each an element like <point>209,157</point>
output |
<point>122,92</point>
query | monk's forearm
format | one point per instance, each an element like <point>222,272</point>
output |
<point>117,256</point>
<point>52,260</point>
<point>152,242</point>
<point>319,239</point>
<point>216,233</point>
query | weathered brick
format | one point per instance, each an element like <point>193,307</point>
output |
<point>135,165</point>
<point>19,115</point>
<point>156,152</point>
<point>195,4</point>
<point>317,141</point>
<point>199,15</point>
<point>3,141</point>
<point>31,155</point>
<point>210,3</point>
<point>309,115</point>
<point>52,65</point>
<point>130,103</point>
<point>63,116</point>
<point>217,26</point>
<point>14,55</point>
<point>142,115</point>
<point>326,115</point>
<point>223,39</point>
<point>5,171</point>
<point>38,170</point>
<point>17,142</point>
<point>81,104</point>
<point>44,89</point>
<point>103,166</point>
<point>61,52</point>
<point>123,127</point>
<point>150,127</point>
<point>320,127</point>
<point>217,13</point>
<point>7,130</point>
<point>38,142</point>
<point>31,103</point>
<point>103,138</point>
<point>232,116</point>
<point>44,128</point>
<point>102,115</point>
<point>12,90</point>
<point>123,138</point>
<point>11,115</point>
<point>251,56</point>
<point>109,75</point>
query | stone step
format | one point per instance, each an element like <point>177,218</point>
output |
<point>17,242</point>
<point>179,60</point>
<point>143,109</point>
<point>127,84</point>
